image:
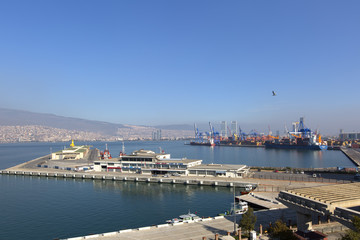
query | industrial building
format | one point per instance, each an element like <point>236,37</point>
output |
<point>150,163</point>
<point>349,135</point>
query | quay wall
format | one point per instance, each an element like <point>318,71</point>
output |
<point>147,179</point>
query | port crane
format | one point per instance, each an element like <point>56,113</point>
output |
<point>214,136</point>
<point>242,135</point>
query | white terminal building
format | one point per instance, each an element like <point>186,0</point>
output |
<point>148,162</point>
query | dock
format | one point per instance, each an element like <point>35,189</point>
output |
<point>127,177</point>
<point>259,201</point>
<point>352,154</point>
<point>195,230</point>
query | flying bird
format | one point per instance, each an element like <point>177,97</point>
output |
<point>274,93</point>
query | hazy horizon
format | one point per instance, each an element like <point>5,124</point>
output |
<point>184,62</point>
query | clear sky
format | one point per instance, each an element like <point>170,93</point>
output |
<point>183,61</point>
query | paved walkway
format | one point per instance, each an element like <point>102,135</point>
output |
<point>195,230</point>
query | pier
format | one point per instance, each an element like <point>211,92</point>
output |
<point>206,227</point>
<point>128,177</point>
<point>259,201</point>
<point>352,154</point>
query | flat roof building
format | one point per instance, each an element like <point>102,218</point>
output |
<point>149,162</point>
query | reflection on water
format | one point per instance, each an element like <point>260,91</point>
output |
<point>48,208</point>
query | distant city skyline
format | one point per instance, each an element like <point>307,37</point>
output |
<point>184,62</point>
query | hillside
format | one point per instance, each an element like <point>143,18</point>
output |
<point>10,117</point>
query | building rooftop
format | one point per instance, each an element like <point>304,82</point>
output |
<point>219,167</point>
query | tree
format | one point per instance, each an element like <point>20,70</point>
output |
<point>248,220</point>
<point>353,234</point>
<point>281,231</point>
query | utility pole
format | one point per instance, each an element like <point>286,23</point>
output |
<point>234,213</point>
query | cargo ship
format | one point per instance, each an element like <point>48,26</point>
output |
<point>301,146</point>
<point>300,138</point>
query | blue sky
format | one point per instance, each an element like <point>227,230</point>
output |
<point>170,62</point>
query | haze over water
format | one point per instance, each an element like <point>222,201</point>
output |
<point>48,208</point>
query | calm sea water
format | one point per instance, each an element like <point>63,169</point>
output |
<point>48,208</point>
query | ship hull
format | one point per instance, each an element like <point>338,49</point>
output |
<point>294,146</point>
<point>202,144</point>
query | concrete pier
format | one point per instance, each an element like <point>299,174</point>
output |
<point>207,227</point>
<point>131,178</point>
<point>352,154</point>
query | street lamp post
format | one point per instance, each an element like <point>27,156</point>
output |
<point>234,213</point>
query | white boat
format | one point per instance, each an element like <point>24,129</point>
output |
<point>184,218</point>
<point>240,207</point>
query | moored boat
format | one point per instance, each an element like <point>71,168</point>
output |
<point>184,218</point>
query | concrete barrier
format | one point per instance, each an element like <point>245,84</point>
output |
<point>144,228</point>
<point>109,234</point>
<point>75,238</point>
<point>218,217</point>
<point>162,225</point>
<point>179,223</point>
<point>92,236</point>
<point>125,231</point>
<point>206,219</point>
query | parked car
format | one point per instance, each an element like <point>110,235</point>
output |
<point>176,174</point>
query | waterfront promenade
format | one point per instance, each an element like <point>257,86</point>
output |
<point>195,230</point>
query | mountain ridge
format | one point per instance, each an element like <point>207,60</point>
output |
<point>13,117</point>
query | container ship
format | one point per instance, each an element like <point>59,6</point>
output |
<point>300,138</point>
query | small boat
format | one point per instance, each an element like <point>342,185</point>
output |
<point>248,189</point>
<point>240,207</point>
<point>184,218</point>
